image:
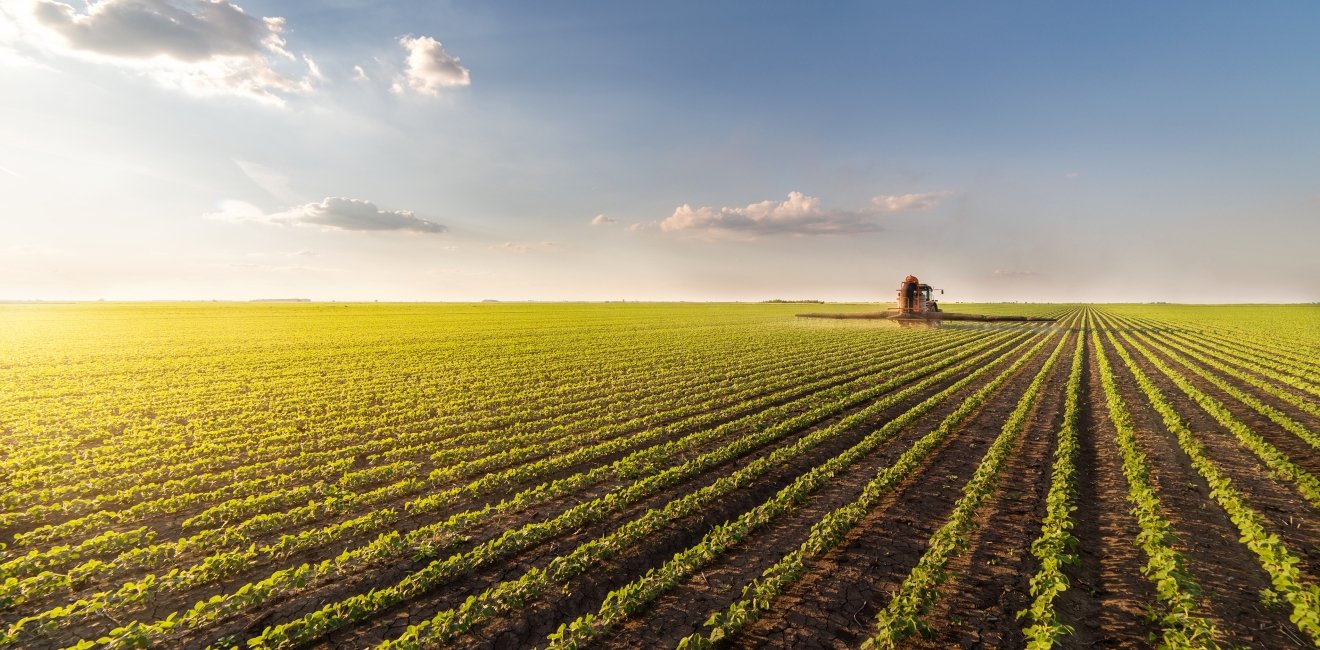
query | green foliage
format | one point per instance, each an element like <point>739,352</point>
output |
<point>1181,625</point>
<point>292,447</point>
<point>903,617</point>
<point>759,596</point>
<point>1054,548</point>
<point>1275,558</point>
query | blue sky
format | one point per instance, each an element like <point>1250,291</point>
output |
<point>1010,151</point>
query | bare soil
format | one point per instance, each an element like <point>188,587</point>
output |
<point>835,603</point>
<point>1229,576</point>
<point>1106,603</point>
<point>993,579</point>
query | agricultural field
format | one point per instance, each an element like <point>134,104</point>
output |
<point>656,475</point>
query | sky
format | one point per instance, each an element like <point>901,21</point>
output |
<point>455,151</point>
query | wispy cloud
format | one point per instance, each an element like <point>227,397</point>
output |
<point>799,214</point>
<point>201,47</point>
<point>428,68</point>
<point>336,213</point>
<point>894,203</point>
<point>602,220</point>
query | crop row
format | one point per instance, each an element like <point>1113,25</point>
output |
<point>649,414</point>
<point>1181,624</point>
<point>505,597</point>
<point>235,537</point>
<point>758,596</point>
<point>447,622</point>
<point>903,616</point>
<point>631,598</point>
<point>287,544</point>
<point>574,389</point>
<point>1275,558</point>
<point>1055,548</point>
<point>348,563</point>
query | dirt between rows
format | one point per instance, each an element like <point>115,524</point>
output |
<point>1228,573</point>
<point>991,583</point>
<point>1105,604</point>
<point>393,621</point>
<point>1311,421</point>
<point>1301,453</point>
<point>174,602</point>
<point>682,610</point>
<point>585,592</point>
<point>167,526</point>
<point>834,604</point>
<point>1289,515</point>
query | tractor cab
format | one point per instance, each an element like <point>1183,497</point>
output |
<point>915,298</point>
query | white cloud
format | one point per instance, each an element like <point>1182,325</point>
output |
<point>429,68</point>
<point>313,70</point>
<point>359,74</point>
<point>198,46</point>
<point>334,212</point>
<point>602,220</point>
<point>891,203</point>
<point>799,214</point>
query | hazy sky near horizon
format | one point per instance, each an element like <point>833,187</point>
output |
<point>353,150</point>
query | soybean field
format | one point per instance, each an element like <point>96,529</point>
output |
<point>190,475</point>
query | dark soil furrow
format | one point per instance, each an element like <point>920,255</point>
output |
<point>682,611</point>
<point>1301,453</point>
<point>454,593</point>
<point>1227,572</point>
<point>1106,602</point>
<point>373,576</point>
<point>1294,520</point>
<point>658,548</point>
<point>1207,348</point>
<point>993,580</point>
<point>835,603</point>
